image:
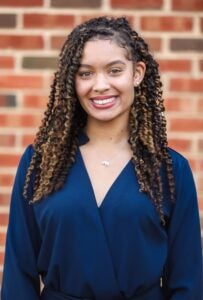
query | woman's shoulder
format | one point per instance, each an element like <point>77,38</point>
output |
<point>26,156</point>
<point>178,159</point>
<point>181,168</point>
<point>28,151</point>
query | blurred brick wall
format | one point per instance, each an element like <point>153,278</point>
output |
<point>31,34</point>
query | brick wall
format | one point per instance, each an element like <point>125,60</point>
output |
<point>31,33</point>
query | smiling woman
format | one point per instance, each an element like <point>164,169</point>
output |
<point>101,208</point>
<point>106,80</point>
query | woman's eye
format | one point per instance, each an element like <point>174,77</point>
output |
<point>85,74</point>
<point>115,71</point>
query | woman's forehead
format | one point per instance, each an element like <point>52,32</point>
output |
<point>100,49</point>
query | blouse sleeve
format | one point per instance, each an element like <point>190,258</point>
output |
<point>20,275</point>
<point>184,278</point>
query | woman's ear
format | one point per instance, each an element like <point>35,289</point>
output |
<point>139,72</point>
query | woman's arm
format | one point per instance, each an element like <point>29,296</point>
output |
<point>184,278</point>
<point>20,275</point>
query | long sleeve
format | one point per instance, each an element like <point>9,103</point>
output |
<point>184,269</point>
<point>20,276</point>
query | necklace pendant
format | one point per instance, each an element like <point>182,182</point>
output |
<point>105,163</point>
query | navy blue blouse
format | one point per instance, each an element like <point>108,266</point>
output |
<point>117,251</point>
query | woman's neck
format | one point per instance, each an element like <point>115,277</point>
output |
<point>108,134</point>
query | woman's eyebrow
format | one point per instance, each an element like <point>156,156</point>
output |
<point>85,66</point>
<point>115,62</point>
<point>108,65</point>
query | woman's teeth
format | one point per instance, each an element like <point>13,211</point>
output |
<point>105,101</point>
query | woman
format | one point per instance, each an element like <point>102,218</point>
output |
<point>101,207</point>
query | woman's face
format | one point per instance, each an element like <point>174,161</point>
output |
<point>106,79</point>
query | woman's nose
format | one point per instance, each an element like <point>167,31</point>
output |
<point>101,83</point>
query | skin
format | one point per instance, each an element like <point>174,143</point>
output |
<point>105,81</point>
<point>105,88</point>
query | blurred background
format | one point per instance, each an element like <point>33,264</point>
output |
<point>31,35</point>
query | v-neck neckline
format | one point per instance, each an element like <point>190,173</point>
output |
<point>111,186</point>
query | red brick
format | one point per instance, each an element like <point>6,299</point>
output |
<point>7,140</point>
<point>200,184</point>
<point>49,81</point>
<point>4,219</point>
<point>2,238</point>
<point>1,258</point>
<point>27,139</point>
<point>7,100</point>
<point>6,180</point>
<point>157,23</point>
<point>40,62</point>
<point>1,275</point>
<point>186,125</point>
<point>48,21</point>
<point>180,144</point>
<point>7,62</point>
<point>21,42</point>
<point>174,65</point>
<point>139,4</point>
<point>21,3</point>
<point>200,105</point>
<point>75,4</point>
<point>155,44</point>
<point>186,85</point>
<point>200,145</point>
<point>84,18</point>
<point>9,160</point>
<point>176,104</point>
<point>5,200</point>
<point>196,164</point>
<point>192,164</point>
<point>187,5</point>
<point>20,120</point>
<point>200,205</point>
<point>21,81</point>
<point>7,20</point>
<point>186,44</point>
<point>172,104</point>
<point>57,41</point>
<point>35,101</point>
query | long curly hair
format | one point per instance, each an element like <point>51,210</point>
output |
<point>64,118</point>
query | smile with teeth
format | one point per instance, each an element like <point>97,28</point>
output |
<point>104,101</point>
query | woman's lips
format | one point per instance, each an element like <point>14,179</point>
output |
<point>103,102</point>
